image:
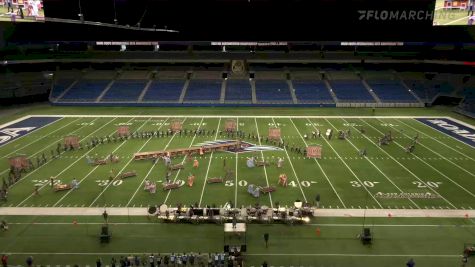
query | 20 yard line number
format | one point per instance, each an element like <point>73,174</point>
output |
<point>294,184</point>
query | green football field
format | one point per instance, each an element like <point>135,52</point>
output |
<point>447,17</point>
<point>440,167</point>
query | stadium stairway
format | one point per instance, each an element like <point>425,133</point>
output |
<point>65,91</point>
<point>370,91</point>
<point>412,92</point>
<point>330,90</point>
<point>223,91</point>
<point>108,87</point>
<point>292,91</point>
<point>183,91</point>
<point>145,90</point>
<point>253,88</point>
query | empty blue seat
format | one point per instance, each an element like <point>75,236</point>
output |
<point>60,86</point>
<point>312,91</point>
<point>273,91</point>
<point>238,91</point>
<point>164,90</point>
<point>391,91</point>
<point>351,91</point>
<point>203,90</point>
<point>125,91</point>
<point>86,90</point>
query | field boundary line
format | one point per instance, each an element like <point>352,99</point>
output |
<point>402,165</point>
<point>348,167</point>
<point>70,165</point>
<point>265,168</point>
<point>292,166</point>
<point>320,166</point>
<point>257,116</point>
<point>87,175</point>
<point>209,164</point>
<point>21,119</point>
<point>125,166</point>
<point>36,140</point>
<point>153,166</point>
<point>374,165</point>
<point>183,161</point>
<point>141,212</point>
<point>432,167</point>
<point>434,152</point>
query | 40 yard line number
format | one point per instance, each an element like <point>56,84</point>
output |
<point>243,183</point>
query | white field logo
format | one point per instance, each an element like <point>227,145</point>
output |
<point>245,146</point>
<point>11,133</point>
<point>455,129</point>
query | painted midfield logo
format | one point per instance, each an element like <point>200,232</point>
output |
<point>245,146</point>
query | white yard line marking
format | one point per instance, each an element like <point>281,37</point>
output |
<point>442,143</point>
<point>374,165</point>
<point>351,170</point>
<point>319,166</point>
<point>236,171</point>
<point>432,167</point>
<point>209,164</point>
<point>402,165</point>
<point>183,161</point>
<point>80,182</point>
<point>438,154</point>
<point>247,254</point>
<point>454,21</point>
<point>41,138</point>
<point>153,166</point>
<point>265,168</point>
<point>42,150</point>
<point>67,168</point>
<point>293,169</point>
<point>125,166</point>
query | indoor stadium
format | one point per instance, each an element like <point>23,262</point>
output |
<point>219,133</point>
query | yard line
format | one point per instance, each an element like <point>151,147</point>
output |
<point>348,167</point>
<point>404,167</point>
<point>42,150</point>
<point>269,254</point>
<point>265,168</point>
<point>319,166</point>
<point>117,148</point>
<point>36,140</point>
<point>432,167</point>
<point>67,168</point>
<point>442,143</point>
<point>441,156</point>
<point>236,170</point>
<point>153,166</point>
<point>292,166</point>
<point>453,21</point>
<point>183,161</point>
<point>209,164</point>
<point>374,165</point>
<point>125,166</point>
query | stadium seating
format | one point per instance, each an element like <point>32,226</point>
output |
<point>312,91</point>
<point>426,90</point>
<point>351,91</point>
<point>238,91</point>
<point>391,91</point>
<point>59,87</point>
<point>273,91</point>
<point>85,91</point>
<point>124,91</point>
<point>164,91</point>
<point>203,90</point>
